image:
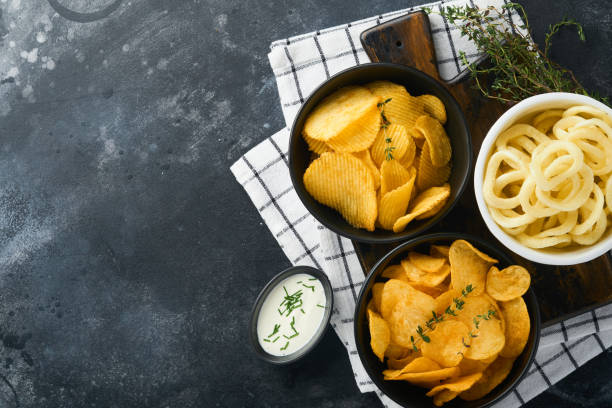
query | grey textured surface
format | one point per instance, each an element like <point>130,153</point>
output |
<point>129,257</point>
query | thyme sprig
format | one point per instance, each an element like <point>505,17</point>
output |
<point>517,67</point>
<point>385,124</point>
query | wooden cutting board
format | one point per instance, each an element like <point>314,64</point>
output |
<point>562,291</point>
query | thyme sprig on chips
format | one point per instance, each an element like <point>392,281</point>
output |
<point>385,124</point>
<point>517,68</point>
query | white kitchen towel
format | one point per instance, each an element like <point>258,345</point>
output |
<point>302,63</point>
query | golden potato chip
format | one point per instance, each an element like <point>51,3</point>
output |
<point>478,313</point>
<point>407,315</point>
<point>440,251</point>
<point>366,158</point>
<point>426,263</point>
<point>446,343</point>
<point>469,366</point>
<point>443,397</point>
<point>491,378</point>
<point>498,312</point>
<point>433,291</point>
<point>427,379</point>
<point>418,365</point>
<point>457,385</point>
<point>359,134</point>
<point>395,272</point>
<point>317,146</point>
<point>377,295</point>
<point>417,135</point>
<point>398,364</point>
<point>402,109</point>
<point>490,359</point>
<point>337,113</point>
<point>436,209</point>
<point>392,176</point>
<point>428,279</point>
<point>437,140</point>
<point>396,290</point>
<point>424,202</point>
<point>343,182</point>
<point>469,266</point>
<point>371,306</point>
<point>393,137</point>
<point>397,352</point>
<point>509,283</point>
<point>445,300</point>
<point>434,107</point>
<point>394,204</point>
<point>379,334</point>
<point>429,175</point>
<point>518,326</point>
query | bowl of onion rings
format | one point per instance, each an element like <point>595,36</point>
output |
<point>543,179</point>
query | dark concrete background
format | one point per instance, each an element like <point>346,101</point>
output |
<point>129,256</point>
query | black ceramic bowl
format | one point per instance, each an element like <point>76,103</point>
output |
<point>316,338</point>
<point>417,83</point>
<point>406,394</point>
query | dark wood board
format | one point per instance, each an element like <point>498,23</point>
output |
<point>562,291</point>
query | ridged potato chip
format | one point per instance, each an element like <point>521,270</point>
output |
<point>509,283</point>
<point>337,113</point>
<point>437,139</point>
<point>359,134</point>
<point>422,203</point>
<point>418,365</point>
<point>425,262</point>
<point>446,343</point>
<point>469,266</point>
<point>429,175</point>
<point>402,109</point>
<point>317,146</point>
<point>491,378</point>
<point>366,158</point>
<point>343,182</point>
<point>379,334</point>
<point>434,107</point>
<point>394,204</point>
<point>393,137</point>
<point>392,176</point>
<point>518,326</point>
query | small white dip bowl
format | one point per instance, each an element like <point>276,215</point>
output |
<point>550,256</point>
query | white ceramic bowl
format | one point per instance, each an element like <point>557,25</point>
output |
<point>550,256</point>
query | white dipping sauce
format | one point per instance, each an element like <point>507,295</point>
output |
<point>291,314</point>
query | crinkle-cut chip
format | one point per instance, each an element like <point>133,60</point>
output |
<point>517,327</point>
<point>380,336</point>
<point>509,283</point>
<point>429,175</point>
<point>377,295</point>
<point>402,109</point>
<point>417,135</point>
<point>317,146</point>
<point>445,300</point>
<point>394,204</point>
<point>395,272</point>
<point>433,211</point>
<point>457,385</point>
<point>359,135</point>
<point>427,279</point>
<point>418,365</point>
<point>336,113</point>
<point>395,351</point>
<point>446,343</point>
<point>491,378</point>
<point>425,262</point>
<point>434,107</point>
<point>399,363</point>
<point>392,176</point>
<point>396,290</point>
<point>422,203</point>
<point>469,266</point>
<point>440,251</point>
<point>400,143</point>
<point>427,378</point>
<point>443,397</point>
<point>366,158</point>
<point>490,338</point>
<point>469,366</point>
<point>407,160</point>
<point>343,182</point>
<point>439,144</point>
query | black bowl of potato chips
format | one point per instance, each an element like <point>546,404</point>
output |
<point>380,153</point>
<point>447,319</point>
